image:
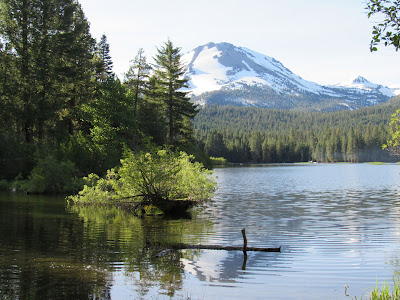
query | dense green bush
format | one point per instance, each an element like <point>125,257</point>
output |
<point>150,178</point>
<point>218,161</point>
<point>4,185</point>
<point>51,176</point>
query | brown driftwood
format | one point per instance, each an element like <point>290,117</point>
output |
<point>244,248</point>
<point>218,247</point>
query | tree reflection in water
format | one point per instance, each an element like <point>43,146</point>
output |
<point>47,252</point>
<point>136,242</point>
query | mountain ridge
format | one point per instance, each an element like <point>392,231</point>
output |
<point>224,74</point>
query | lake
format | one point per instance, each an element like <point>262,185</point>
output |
<point>337,224</point>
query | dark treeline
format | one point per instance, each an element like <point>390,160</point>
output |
<point>64,113</point>
<point>61,105</point>
<point>271,136</point>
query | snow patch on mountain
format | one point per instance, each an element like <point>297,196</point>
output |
<point>215,66</point>
<point>207,74</point>
<point>224,68</point>
<point>366,86</point>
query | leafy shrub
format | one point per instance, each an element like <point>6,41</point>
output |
<point>51,176</point>
<point>218,161</point>
<point>96,189</point>
<point>150,177</point>
<point>4,185</point>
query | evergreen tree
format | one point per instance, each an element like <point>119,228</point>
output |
<point>44,68</point>
<point>214,145</point>
<point>74,47</point>
<point>179,111</point>
<point>8,86</point>
<point>255,144</point>
<point>102,59</point>
<point>352,146</point>
<point>296,136</point>
<point>17,23</point>
<point>111,123</point>
<point>137,79</point>
<point>151,116</point>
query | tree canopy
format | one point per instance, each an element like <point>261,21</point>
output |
<point>179,110</point>
<point>60,98</point>
<point>387,30</point>
<point>248,134</point>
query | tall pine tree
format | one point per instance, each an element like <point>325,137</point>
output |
<point>51,50</point>
<point>137,79</point>
<point>17,24</point>
<point>103,60</point>
<point>74,47</point>
<point>178,110</point>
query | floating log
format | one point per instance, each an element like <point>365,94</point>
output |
<point>243,248</point>
<point>218,247</point>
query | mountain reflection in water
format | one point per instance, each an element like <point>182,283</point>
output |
<point>338,225</point>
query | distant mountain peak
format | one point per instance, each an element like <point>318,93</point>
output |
<point>217,66</point>
<point>225,74</point>
<point>360,79</point>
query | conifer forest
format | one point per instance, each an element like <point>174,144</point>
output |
<point>65,114</point>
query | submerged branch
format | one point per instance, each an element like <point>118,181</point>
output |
<point>218,247</point>
<point>243,248</point>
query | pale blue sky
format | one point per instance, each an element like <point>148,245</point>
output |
<point>320,40</point>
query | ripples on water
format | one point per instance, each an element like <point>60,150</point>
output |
<point>338,224</point>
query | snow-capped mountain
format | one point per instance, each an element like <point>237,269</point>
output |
<point>228,75</point>
<point>361,83</point>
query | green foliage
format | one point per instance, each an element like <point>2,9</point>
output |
<point>150,178</point>
<point>384,293</point>
<point>102,59</point>
<point>214,144</point>
<point>199,155</point>
<point>51,176</point>
<point>218,161</point>
<point>179,111</point>
<point>164,174</point>
<point>247,134</point>
<point>393,144</point>
<point>4,185</point>
<point>137,79</point>
<point>57,90</point>
<point>97,190</point>
<point>387,31</point>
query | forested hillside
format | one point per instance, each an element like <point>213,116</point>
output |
<point>63,112</point>
<point>263,135</point>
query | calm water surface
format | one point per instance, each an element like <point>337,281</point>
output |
<point>338,224</point>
